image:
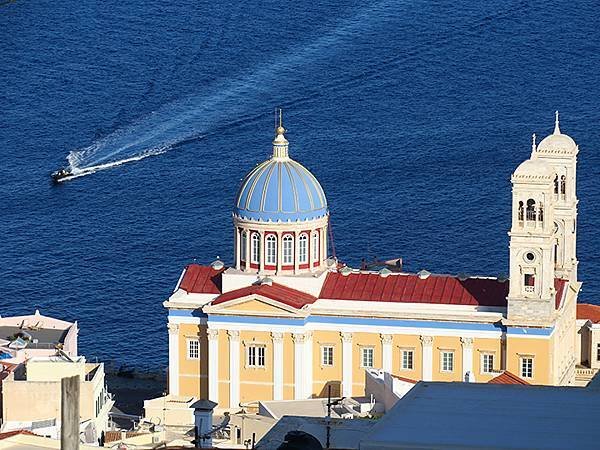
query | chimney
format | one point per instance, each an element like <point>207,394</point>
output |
<point>203,412</point>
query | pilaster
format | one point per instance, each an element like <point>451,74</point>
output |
<point>386,352</point>
<point>277,365</point>
<point>467,359</point>
<point>346,364</point>
<point>213,365</point>
<point>234,368</point>
<point>173,358</point>
<point>427,352</point>
<point>298,365</point>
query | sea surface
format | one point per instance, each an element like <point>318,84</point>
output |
<point>412,114</point>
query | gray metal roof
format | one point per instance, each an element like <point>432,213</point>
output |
<point>436,415</point>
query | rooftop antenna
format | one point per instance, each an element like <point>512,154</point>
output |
<point>556,127</point>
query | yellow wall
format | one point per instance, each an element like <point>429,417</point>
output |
<point>407,342</point>
<point>256,383</point>
<point>540,349</point>
<point>193,373</point>
<point>323,376</point>
<point>491,346</point>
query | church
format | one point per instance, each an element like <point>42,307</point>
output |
<point>287,320</point>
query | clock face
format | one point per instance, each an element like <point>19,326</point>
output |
<point>529,257</point>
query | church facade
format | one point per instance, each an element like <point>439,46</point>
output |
<point>287,321</point>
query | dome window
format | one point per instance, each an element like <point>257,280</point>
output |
<point>271,257</point>
<point>288,249</point>
<point>255,248</point>
<point>243,244</point>
<point>302,248</point>
<point>315,246</point>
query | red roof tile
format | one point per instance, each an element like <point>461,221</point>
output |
<point>507,377</point>
<point>559,286</point>
<point>277,292</point>
<point>403,288</point>
<point>588,312</point>
<point>199,279</point>
<point>406,380</point>
<point>14,433</point>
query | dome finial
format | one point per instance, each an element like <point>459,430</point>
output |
<point>280,143</point>
<point>556,127</point>
<point>533,144</point>
<point>280,130</point>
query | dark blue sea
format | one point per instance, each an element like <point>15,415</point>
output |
<point>412,115</point>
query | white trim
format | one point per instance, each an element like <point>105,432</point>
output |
<point>278,366</point>
<point>213,369</point>
<point>214,323</point>
<point>427,362</point>
<point>173,359</point>
<point>234,369</point>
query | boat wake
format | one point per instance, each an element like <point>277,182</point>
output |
<point>77,172</point>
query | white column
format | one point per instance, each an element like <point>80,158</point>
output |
<point>277,365</point>
<point>248,249</point>
<point>173,358</point>
<point>298,365</point>
<point>234,368</point>
<point>386,352</point>
<point>237,248</point>
<point>308,364</point>
<point>279,252</point>
<point>323,243</point>
<point>296,259</point>
<point>263,252</point>
<point>346,364</point>
<point>467,359</point>
<point>213,365</point>
<point>427,362</point>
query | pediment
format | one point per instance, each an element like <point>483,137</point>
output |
<point>254,305</point>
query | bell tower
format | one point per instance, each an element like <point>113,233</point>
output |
<point>560,151</point>
<point>531,294</point>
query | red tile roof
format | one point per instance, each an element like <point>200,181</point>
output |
<point>559,286</point>
<point>507,377</point>
<point>201,280</point>
<point>406,380</point>
<point>403,288</point>
<point>588,312</point>
<point>277,292</point>
<point>14,433</point>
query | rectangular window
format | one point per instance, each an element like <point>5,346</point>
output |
<point>487,363</point>
<point>302,248</point>
<point>256,356</point>
<point>288,253</point>
<point>447,361</point>
<point>526,367</point>
<point>407,360</point>
<point>367,356</point>
<point>193,349</point>
<point>529,282</point>
<point>598,353</point>
<point>327,355</point>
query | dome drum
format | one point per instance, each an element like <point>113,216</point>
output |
<point>280,216</point>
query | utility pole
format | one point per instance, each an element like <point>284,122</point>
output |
<point>69,415</point>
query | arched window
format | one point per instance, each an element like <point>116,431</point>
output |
<point>531,209</point>
<point>303,248</point>
<point>521,212</point>
<point>556,185</point>
<point>243,243</point>
<point>563,185</point>
<point>541,212</point>
<point>255,248</point>
<point>315,245</point>
<point>288,249</point>
<point>271,257</point>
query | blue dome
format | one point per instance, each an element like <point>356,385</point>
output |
<point>280,189</point>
